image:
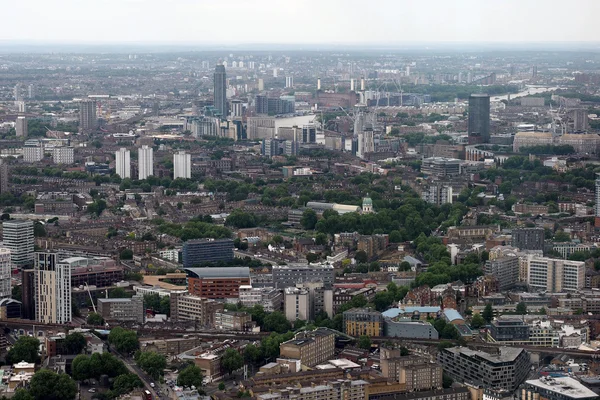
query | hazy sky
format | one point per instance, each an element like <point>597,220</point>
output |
<point>299,21</point>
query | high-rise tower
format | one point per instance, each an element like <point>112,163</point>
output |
<point>87,115</point>
<point>123,161</point>
<point>479,118</point>
<point>220,90</point>
<point>182,165</point>
<point>145,162</point>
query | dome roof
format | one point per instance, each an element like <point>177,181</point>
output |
<point>367,201</point>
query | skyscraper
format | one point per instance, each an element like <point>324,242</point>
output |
<point>597,207</point>
<point>479,118</point>
<point>5,273</point>
<point>146,162</point>
<point>87,115</point>
<point>220,89</point>
<point>21,126</point>
<point>182,165</point>
<point>52,278</point>
<point>123,161</point>
<point>17,235</point>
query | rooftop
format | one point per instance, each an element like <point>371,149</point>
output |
<point>505,354</point>
<point>394,312</point>
<point>567,387</point>
<point>230,272</point>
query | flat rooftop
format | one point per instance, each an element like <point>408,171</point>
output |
<point>567,387</point>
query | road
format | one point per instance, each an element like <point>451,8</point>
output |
<point>133,368</point>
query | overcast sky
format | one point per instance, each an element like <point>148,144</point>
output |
<point>299,21</point>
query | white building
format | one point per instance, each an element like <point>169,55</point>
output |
<point>21,126</point>
<point>555,275</point>
<point>63,155</point>
<point>17,235</point>
<point>297,304</point>
<point>182,164</point>
<point>53,287</point>
<point>33,151</point>
<point>170,254</point>
<point>146,162</point>
<point>123,163</point>
<point>5,273</point>
<point>269,298</point>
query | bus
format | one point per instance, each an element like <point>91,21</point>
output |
<point>147,395</point>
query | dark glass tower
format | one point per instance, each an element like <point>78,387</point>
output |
<point>221,90</point>
<point>479,118</point>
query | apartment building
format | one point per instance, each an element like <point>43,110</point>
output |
<point>17,235</point>
<point>311,347</point>
<point>269,298</point>
<point>504,370</point>
<point>505,269</point>
<point>363,321</point>
<point>424,376</point>
<point>122,310</point>
<point>555,275</point>
<point>234,321</point>
<point>52,278</point>
<point>290,275</point>
<point>188,307</point>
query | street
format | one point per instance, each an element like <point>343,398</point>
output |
<point>133,368</point>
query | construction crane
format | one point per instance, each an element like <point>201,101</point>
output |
<point>91,299</point>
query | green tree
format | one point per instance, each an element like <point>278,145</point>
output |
<point>232,360</point>
<point>364,342</point>
<point>312,257</point>
<point>488,313</point>
<point>240,219</point>
<point>521,308</point>
<point>477,321</point>
<point>118,293</point>
<point>562,236</point>
<point>48,385</point>
<point>321,239</point>
<point>95,319</point>
<point>276,322</point>
<point>404,351</point>
<point>309,219</point>
<point>124,340</point>
<point>126,383</point>
<point>22,394</point>
<point>361,257</point>
<point>25,349</point>
<point>75,343</point>
<point>152,363</point>
<point>446,381</point>
<point>190,376</point>
<point>252,354</point>
<point>221,386</point>
<point>126,254</point>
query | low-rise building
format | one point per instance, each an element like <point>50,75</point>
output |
<point>187,307</point>
<point>269,298</point>
<point>557,388</point>
<point>234,321</point>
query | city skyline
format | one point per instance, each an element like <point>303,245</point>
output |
<point>332,22</point>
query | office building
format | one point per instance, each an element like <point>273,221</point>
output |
<point>504,370</point>
<point>182,165</point>
<point>505,269</point>
<point>217,283</point>
<point>479,118</point>
<point>237,108</point>
<point>403,328</point>
<point>363,321</point>
<point>289,81</point>
<point>290,275</point>
<point>17,236</point>
<point>87,115</point>
<point>310,347</point>
<point>188,307</point>
<point>556,388</point>
<point>63,155</point>
<point>33,151</point>
<point>528,238</point>
<point>145,162</point>
<point>555,275</point>
<point>5,273</point>
<point>53,288</point>
<point>122,310</point>
<point>509,330</point>
<point>199,251</point>
<point>123,163</point>
<point>220,90</point>
<point>21,126</point>
<point>441,166</point>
